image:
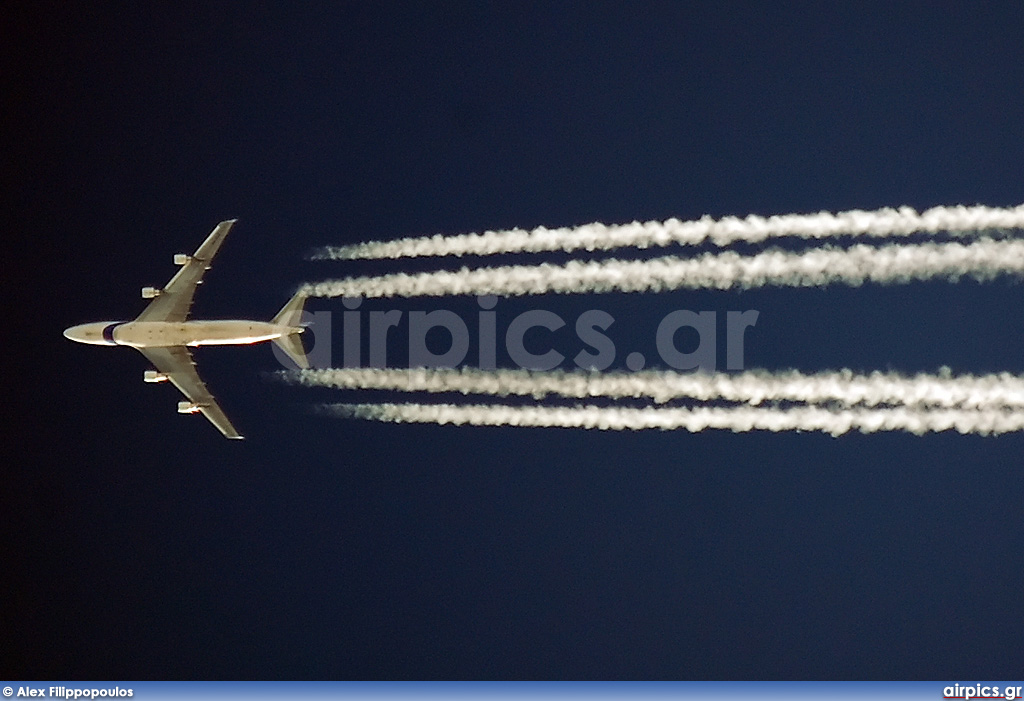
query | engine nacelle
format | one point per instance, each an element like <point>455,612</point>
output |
<point>181,259</point>
<point>187,407</point>
<point>154,376</point>
<point>150,292</point>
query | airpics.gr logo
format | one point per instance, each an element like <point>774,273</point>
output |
<point>980,691</point>
<point>482,340</point>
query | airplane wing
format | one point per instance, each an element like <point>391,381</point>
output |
<point>176,362</point>
<point>175,300</point>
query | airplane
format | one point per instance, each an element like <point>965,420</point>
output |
<point>163,333</point>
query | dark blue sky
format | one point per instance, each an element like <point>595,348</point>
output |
<point>140,544</point>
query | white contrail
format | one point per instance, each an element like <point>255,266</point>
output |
<point>983,259</point>
<point>842,388</point>
<point>742,418</point>
<point>880,223</point>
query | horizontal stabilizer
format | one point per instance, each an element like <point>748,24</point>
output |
<point>291,313</point>
<point>292,346</point>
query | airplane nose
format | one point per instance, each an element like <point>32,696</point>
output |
<point>90,333</point>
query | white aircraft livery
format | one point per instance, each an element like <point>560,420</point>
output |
<point>162,332</point>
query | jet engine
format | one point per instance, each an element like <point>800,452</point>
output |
<point>181,259</point>
<point>150,292</point>
<point>187,407</point>
<point>154,376</point>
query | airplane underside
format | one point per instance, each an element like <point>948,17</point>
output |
<point>159,334</point>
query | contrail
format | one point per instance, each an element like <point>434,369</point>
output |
<point>742,418</point>
<point>855,265</point>
<point>881,223</point>
<point>842,388</point>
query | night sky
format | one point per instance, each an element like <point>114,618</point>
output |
<point>140,544</point>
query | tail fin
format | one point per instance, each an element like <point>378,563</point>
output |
<point>291,344</point>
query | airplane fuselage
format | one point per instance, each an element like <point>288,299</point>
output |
<point>162,334</point>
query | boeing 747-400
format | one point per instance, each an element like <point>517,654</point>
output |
<point>163,333</point>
